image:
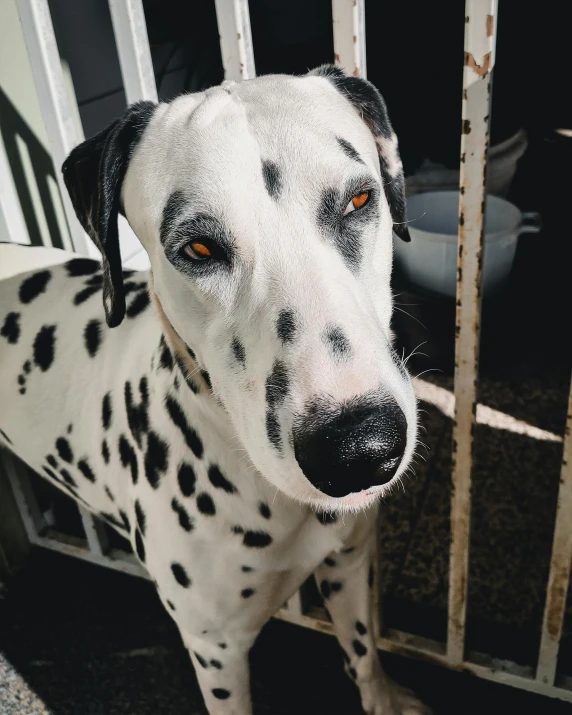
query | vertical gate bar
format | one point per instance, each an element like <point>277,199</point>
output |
<point>480,32</point>
<point>295,604</point>
<point>560,562</point>
<point>55,105</point>
<point>349,36</point>
<point>132,42</point>
<point>233,18</point>
<point>12,225</point>
<point>94,533</point>
<point>28,507</point>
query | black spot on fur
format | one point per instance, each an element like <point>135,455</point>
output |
<point>238,351</point>
<point>34,285</point>
<point>11,328</point>
<point>216,664</point>
<point>184,518</point>
<point>178,416</point>
<point>218,480</point>
<point>247,592</point>
<point>191,352</point>
<point>326,517</point>
<point>21,380</point>
<point>140,517</point>
<point>286,326</point>
<point>171,605</point>
<point>44,347</point>
<point>352,673</point>
<point>86,470</point>
<point>186,374</point>
<point>125,519</point>
<point>165,358</point>
<point>205,504</point>
<point>207,378</point>
<point>345,656</point>
<point>277,384</point>
<point>128,457</point>
<point>109,493</point>
<point>22,390</point>
<point>337,342</point>
<point>64,449</point>
<point>246,569</point>
<point>272,178</point>
<point>222,645</point>
<point>82,266</point>
<point>349,150</point>
<point>70,429</point>
<point>138,304</point>
<point>52,461</point>
<point>221,693</point>
<point>329,561</point>
<point>325,589</point>
<point>156,459</point>
<point>264,510</point>
<point>50,473</point>
<point>360,628</point>
<point>85,293</point>
<point>105,451</point>
<point>257,539</point>
<point>359,648</point>
<point>181,576</point>
<point>92,337</point>
<point>202,662</point>
<point>139,546</point>
<point>187,479</point>
<point>106,411</point>
<point>68,479</point>
<point>237,529</point>
<point>273,429</point>
<point>27,367</point>
<point>137,417</point>
<point>336,586</point>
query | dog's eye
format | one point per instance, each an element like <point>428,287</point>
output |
<point>357,202</point>
<point>198,251</point>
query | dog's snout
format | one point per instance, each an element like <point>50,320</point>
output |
<point>352,451</point>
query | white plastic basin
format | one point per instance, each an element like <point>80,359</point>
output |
<point>430,259</point>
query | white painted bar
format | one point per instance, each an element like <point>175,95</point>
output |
<point>24,495</point>
<point>55,104</point>
<point>561,559</point>
<point>480,28</point>
<point>132,42</point>
<point>12,225</point>
<point>349,36</point>
<point>233,20</point>
<point>94,532</point>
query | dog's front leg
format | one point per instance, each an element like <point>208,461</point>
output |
<point>221,665</point>
<point>344,580</point>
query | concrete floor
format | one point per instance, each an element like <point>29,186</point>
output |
<point>78,639</point>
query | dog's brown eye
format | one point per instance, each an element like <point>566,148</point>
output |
<point>358,202</point>
<point>198,251</point>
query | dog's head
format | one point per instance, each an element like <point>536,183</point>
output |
<point>267,209</point>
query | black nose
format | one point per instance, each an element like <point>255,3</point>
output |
<point>357,448</point>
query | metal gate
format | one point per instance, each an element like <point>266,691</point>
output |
<point>349,46</point>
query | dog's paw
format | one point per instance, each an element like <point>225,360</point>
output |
<point>396,701</point>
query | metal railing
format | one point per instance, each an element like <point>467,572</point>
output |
<point>349,47</point>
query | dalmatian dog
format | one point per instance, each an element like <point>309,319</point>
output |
<point>238,411</point>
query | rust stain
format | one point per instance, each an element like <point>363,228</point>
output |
<point>462,220</point>
<point>336,57</point>
<point>466,127</point>
<point>356,72</point>
<point>238,35</point>
<point>463,158</point>
<point>490,25</point>
<point>465,95</point>
<point>462,190</point>
<point>479,70</point>
<point>355,39</point>
<point>557,598</point>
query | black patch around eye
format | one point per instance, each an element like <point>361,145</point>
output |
<point>34,285</point>
<point>172,213</point>
<point>44,347</point>
<point>344,231</point>
<point>286,326</point>
<point>139,546</point>
<point>179,420</point>
<point>86,470</point>
<point>140,517</point>
<point>205,504</point>
<point>128,458</point>
<point>277,384</point>
<point>106,411</point>
<point>187,479</point>
<point>92,337</point>
<point>64,450</point>
<point>257,539</point>
<point>272,178</point>
<point>349,150</point>
<point>181,576</point>
<point>156,459</point>
<point>218,480</point>
<point>238,351</point>
<point>11,328</point>
<point>337,342</point>
<point>273,429</point>
<point>138,304</point>
<point>82,266</point>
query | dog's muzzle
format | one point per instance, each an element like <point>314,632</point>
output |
<point>352,451</point>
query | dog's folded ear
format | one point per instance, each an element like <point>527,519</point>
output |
<point>93,174</point>
<point>370,105</point>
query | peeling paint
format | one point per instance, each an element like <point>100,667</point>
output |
<point>480,70</point>
<point>466,126</point>
<point>490,25</point>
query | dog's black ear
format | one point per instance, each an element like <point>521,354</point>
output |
<point>94,173</point>
<point>371,107</point>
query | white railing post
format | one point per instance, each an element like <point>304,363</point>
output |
<point>233,20</point>
<point>349,36</point>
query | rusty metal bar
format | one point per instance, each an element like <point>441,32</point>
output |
<point>233,18</point>
<point>349,36</point>
<point>480,31</point>
<point>561,559</point>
